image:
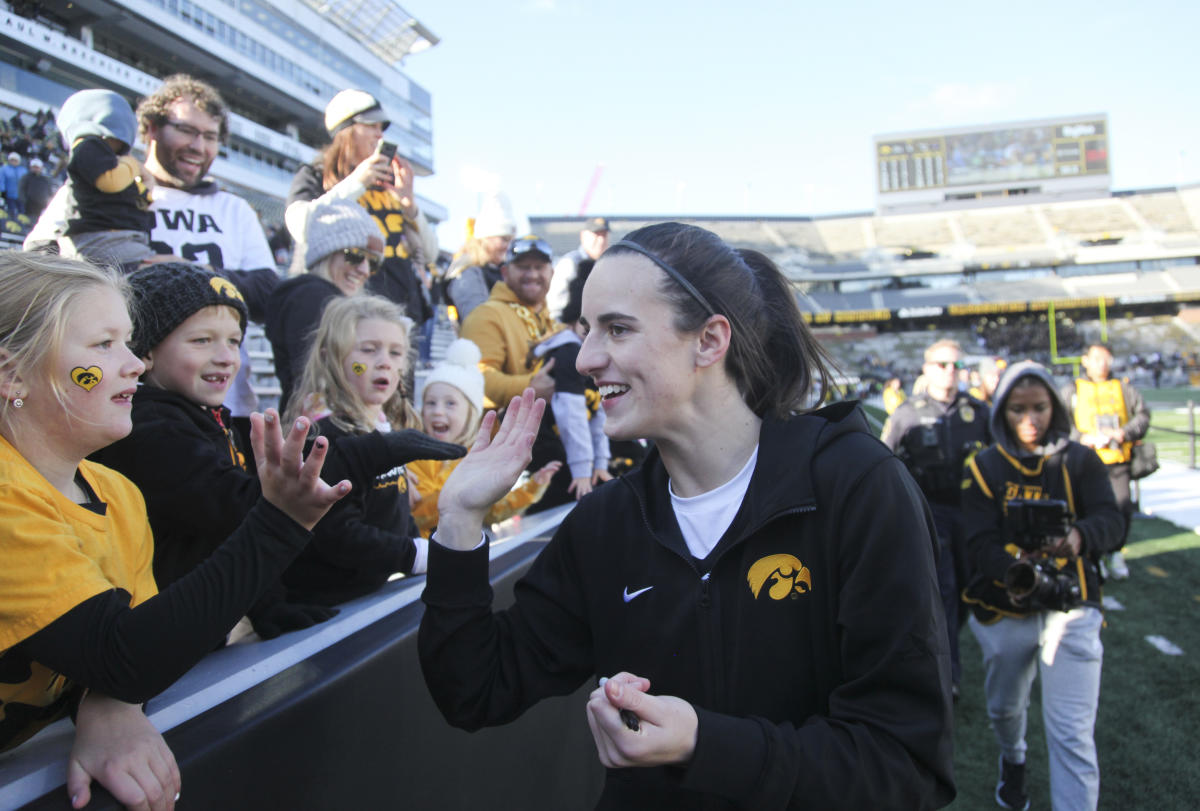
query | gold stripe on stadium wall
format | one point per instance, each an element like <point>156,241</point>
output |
<point>850,316</point>
<point>988,308</point>
<point>1070,304</point>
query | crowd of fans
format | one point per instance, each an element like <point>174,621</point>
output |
<point>223,513</point>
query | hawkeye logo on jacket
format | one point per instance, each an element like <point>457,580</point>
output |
<point>782,575</point>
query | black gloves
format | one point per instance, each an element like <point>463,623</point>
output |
<point>363,457</point>
<point>279,618</point>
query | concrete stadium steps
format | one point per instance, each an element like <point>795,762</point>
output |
<point>1001,228</point>
<point>1091,220</point>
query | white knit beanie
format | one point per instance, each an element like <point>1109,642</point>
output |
<point>460,369</point>
<point>336,226</point>
<point>495,218</point>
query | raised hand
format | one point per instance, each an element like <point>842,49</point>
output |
<point>546,472</point>
<point>116,745</point>
<point>374,172</point>
<point>666,725</point>
<point>402,180</point>
<point>289,481</point>
<point>488,471</point>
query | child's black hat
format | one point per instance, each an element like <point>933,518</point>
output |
<point>168,293</point>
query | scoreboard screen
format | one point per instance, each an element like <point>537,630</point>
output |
<point>1004,154</point>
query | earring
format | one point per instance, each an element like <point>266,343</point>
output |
<point>17,402</point>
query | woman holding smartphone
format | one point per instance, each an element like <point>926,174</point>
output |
<point>358,165</point>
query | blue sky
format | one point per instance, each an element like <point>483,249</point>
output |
<point>769,108</point>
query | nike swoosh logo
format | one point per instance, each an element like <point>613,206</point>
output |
<point>629,595</point>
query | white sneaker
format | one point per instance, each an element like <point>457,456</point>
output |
<point>1117,566</point>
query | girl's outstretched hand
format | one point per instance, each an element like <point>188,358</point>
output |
<point>289,481</point>
<point>488,471</point>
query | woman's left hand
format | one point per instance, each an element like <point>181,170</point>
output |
<point>116,745</point>
<point>1067,547</point>
<point>402,180</point>
<point>666,731</point>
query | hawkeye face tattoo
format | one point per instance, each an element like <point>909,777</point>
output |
<point>87,378</point>
<point>97,375</point>
<point>359,369</point>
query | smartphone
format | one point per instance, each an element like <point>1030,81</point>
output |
<point>387,149</point>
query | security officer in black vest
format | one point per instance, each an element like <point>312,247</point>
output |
<point>934,433</point>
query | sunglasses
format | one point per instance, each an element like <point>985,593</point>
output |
<point>529,244</point>
<point>356,256</point>
<point>948,364</point>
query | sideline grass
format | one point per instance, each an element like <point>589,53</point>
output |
<point>1149,701</point>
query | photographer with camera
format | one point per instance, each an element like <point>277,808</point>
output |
<point>934,433</point>
<point>1039,512</point>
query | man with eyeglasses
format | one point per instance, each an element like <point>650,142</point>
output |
<point>183,124</point>
<point>506,328</point>
<point>934,433</point>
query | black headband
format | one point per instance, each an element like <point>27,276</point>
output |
<point>670,271</point>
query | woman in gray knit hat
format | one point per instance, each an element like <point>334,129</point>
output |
<point>344,248</point>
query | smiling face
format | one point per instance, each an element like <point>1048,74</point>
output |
<point>496,247</point>
<point>445,412</point>
<point>1028,411</point>
<point>184,146</point>
<point>200,357</point>
<point>528,276</point>
<point>349,276</point>
<point>97,374</point>
<point>646,371</point>
<point>376,363</point>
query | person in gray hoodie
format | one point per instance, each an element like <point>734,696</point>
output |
<point>108,196</point>
<point>1039,513</point>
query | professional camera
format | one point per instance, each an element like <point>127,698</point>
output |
<point>1038,584</point>
<point>1030,523</point>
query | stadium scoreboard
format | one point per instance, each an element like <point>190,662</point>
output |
<point>998,155</point>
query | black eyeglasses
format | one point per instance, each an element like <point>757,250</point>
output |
<point>356,256</point>
<point>529,244</point>
<point>190,132</point>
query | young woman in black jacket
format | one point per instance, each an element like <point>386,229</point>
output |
<point>760,595</point>
<point>1039,513</point>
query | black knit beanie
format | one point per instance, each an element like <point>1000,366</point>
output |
<point>168,293</point>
